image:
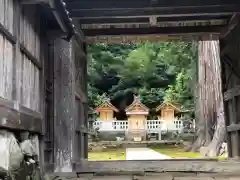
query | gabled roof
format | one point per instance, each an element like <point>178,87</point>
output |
<point>137,104</point>
<point>174,105</point>
<point>106,105</point>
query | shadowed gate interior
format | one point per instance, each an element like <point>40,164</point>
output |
<point>61,120</point>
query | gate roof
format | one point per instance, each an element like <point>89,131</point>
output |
<point>137,20</point>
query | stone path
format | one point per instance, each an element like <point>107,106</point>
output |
<point>144,154</point>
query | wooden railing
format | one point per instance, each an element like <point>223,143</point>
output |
<point>153,126</point>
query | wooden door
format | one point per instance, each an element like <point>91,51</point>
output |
<point>168,114</point>
<point>136,122</point>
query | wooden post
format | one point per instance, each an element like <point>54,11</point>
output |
<point>64,105</point>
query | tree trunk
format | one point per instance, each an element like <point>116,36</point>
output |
<point>211,122</point>
<point>219,134</point>
<point>202,102</point>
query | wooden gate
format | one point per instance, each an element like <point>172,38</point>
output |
<point>229,50</point>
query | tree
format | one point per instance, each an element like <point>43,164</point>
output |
<point>182,91</point>
<point>211,131</point>
<point>146,69</point>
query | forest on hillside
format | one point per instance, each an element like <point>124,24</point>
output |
<point>156,72</point>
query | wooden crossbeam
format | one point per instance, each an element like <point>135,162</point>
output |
<point>18,117</point>
<point>153,30</point>
<point>34,1</point>
<point>146,19</point>
<point>160,12</point>
<point>7,34</point>
<point>233,127</point>
<point>234,21</point>
<point>107,4</point>
<point>231,93</point>
<point>30,56</point>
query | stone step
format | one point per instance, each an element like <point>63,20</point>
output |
<point>144,176</point>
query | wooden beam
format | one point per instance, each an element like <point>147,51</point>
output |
<point>229,62</point>
<point>82,129</point>
<point>158,166</point>
<point>7,34</point>
<point>64,104</point>
<point>153,30</point>
<point>30,56</point>
<point>146,19</point>
<point>143,38</point>
<point>233,127</point>
<point>160,12</point>
<point>234,21</point>
<point>28,2</point>
<point>107,4</point>
<point>17,117</point>
<point>231,93</point>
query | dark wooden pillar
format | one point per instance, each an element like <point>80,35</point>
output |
<point>81,139</point>
<point>64,106</point>
<point>229,48</point>
<point>85,105</point>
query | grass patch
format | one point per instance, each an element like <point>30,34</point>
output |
<point>113,154</point>
<point>177,152</point>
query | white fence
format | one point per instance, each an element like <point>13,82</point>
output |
<point>152,126</point>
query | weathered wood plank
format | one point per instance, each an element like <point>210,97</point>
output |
<point>29,88</point>
<point>230,73</point>
<point>2,10</point>
<point>30,35</point>
<point>233,127</point>
<point>15,116</point>
<point>6,56</point>
<point>233,92</point>
<point>64,105</point>
<point>171,165</point>
<point>106,4</point>
<point>7,14</point>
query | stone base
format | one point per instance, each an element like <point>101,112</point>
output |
<point>134,135</point>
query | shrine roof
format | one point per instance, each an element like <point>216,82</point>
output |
<point>176,106</point>
<point>137,104</point>
<point>106,105</point>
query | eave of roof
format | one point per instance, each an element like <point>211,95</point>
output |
<point>137,101</point>
<point>60,13</point>
<point>67,20</point>
<point>168,103</point>
<point>112,107</point>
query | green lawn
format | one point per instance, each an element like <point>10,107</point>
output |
<point>115,154</point>
<point>176,152</point>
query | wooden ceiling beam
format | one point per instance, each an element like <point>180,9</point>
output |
<point>25,2</point>
<point>160,12</point>
<point>234,21</point>
<point>153,30</point>
<point>137,20</point>
<point>111,4</point>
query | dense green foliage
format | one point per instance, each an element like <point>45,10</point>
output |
<point>156,72</point>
